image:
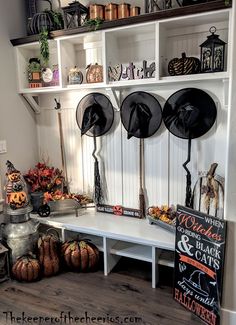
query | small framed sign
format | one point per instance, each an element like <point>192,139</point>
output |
<point>199,262</point>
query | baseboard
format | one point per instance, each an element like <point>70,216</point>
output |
<point>228,317</point>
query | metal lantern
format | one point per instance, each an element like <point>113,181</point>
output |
<point>212,53</point>
<point>4,263</point>
<point>156,5</point>
<point>74,15</point>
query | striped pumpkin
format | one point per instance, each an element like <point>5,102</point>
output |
<point>80,255</point>
<point>26,268</point>
<point>184,65</point>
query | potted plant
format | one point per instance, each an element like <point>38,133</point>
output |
<point>42,179</point>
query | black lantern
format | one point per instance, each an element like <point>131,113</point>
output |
<point>74,14</point>
<point>156,5</point>
<point>4,263</point>
<point>212,53</point>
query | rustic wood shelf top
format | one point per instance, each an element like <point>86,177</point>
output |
<point>162,14</point>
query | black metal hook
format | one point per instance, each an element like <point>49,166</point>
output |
<point>58,104</point>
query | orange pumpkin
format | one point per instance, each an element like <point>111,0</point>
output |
<point>94,73</point>
<point>80,255</point>
<point>26,268</point>
<point>48,255</point>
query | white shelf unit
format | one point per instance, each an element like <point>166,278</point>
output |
<point>23,54</point>
<point>131,45</point>
<point>157,42</point>
<point>131,250</point>
<point>185,34</point>
<point>81,51</point>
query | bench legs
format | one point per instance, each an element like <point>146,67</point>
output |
<point>155,267</point>
<point>110,260</point>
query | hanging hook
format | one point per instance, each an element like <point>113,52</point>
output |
<point>58,104</point>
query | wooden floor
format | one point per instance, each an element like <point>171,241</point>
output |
<point>124,293</point>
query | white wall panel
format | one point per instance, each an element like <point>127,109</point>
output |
<point>165,178</point>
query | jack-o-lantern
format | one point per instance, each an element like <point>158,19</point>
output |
<point>14,176</point>
<point>17,200</point>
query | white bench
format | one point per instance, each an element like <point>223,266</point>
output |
<point>118,236</point>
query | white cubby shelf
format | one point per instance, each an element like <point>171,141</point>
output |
<point>156,41</point>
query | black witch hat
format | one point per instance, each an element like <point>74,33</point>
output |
<point>189,113</point>
<point>141,114</point>
<point>94,114</point>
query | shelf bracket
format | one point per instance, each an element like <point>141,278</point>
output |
<point>115,100</point>
<point>32,101</point>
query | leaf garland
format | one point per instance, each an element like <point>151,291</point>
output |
<point>44,46</point>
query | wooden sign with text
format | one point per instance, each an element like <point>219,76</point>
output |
<point>199,262</point>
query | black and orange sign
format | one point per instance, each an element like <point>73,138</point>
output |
<point>199,261</point>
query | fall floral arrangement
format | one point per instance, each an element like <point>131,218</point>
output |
<point>43,178</point>
<point>50,181</point>
<point>164,213</point>
<point>59,195</point>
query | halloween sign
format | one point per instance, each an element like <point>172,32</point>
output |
<point>199,261</point>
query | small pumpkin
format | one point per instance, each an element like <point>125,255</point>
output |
<point>17,200</point>
<point>94,73</point>
<point>184,65</point>
<point>26,268</point>
<point>80,255</point>
<point>49,255</point>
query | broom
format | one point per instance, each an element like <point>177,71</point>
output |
<point>98,195</point>
<point>63,155</point>
<point>142,207</point>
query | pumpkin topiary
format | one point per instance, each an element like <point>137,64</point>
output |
<point>26,268</point>
<point>184,65</point>
<point>80,255</point>
<point>49,255</point>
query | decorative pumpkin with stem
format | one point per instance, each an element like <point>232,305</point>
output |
<point>184,65</point>
<point>80,255</point>
<point>94,73</point>
<point>26,268</point>
<point>48,246</point>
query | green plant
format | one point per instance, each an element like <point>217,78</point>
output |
<point>44,47</point>
<point>56,18</point>
<point>96,23</point>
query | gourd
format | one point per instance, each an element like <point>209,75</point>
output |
<point>184,65</point>
<point>94,73</point>
<point>80,255</point>
<point>17,199</point>
<point>48,255</point>
<point>26,268</point>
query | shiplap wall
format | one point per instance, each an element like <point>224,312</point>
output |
<point>165,177</point>
<point>119,157</point>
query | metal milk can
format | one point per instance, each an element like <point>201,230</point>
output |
<point>20,235</point>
